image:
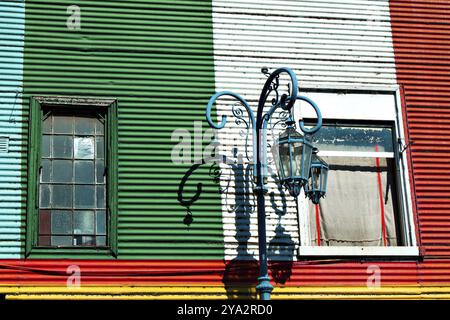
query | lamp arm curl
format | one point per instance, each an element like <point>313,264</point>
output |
<point>251,117</point>
<point>318,113</point>
<point>284,101</point>
<point>214,98</point>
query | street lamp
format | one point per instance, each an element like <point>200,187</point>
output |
<point>317,184</point>
<point>293,156</point>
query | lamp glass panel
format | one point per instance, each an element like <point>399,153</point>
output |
<point>323,177</point>
<point>297,156</point>
<point>316,177</point>
<point>293,151</point>
<point>284,160</point>
<point>302,154</point>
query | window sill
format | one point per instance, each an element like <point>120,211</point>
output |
<point>71,252</point>
<point>359,251</point>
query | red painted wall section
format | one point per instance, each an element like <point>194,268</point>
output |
<point>163,272</point>
<point>421,38</point>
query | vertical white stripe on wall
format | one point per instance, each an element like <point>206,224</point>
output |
<point>12,19</point>
<point>328,43</point>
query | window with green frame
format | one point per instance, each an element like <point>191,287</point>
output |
<point>72,177</point>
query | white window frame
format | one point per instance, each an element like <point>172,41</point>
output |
<point>373,110</point>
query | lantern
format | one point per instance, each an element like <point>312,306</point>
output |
<point>317,184</point>
<point>293,159</point>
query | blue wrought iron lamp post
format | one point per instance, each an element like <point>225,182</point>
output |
<point>298,167</point>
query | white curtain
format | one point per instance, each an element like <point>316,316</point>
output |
<point>351,212</point>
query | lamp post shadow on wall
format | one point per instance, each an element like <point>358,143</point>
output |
<point>297,165</point>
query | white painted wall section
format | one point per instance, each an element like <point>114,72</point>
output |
<point>329,44</point>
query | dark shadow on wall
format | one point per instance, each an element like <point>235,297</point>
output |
<point>280,251</point>
<point>214,174</point>
<point>241,273</point>
<point>188,219</point>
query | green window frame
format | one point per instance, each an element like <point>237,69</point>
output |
<point>107,106</point>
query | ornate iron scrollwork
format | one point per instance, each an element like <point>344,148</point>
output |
<point>285,101</point>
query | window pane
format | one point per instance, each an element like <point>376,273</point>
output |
<point>351,213</point>
<point>62,171</point>
<point>44,196</point>
<point>100,196</point>
<point>84,222</point>
<point>46,170</point>
<point>47,125</point>
<point>84,125</point>
<point>44,222</point>
<point>99,126</point>
<point>88,240</point>
<point>62,146</point>
<point>101,241</point>
<point>84,172</point>
<point>101,222</point>
<point>62,124</point>
<point>100,171</point>
<point>61,240</point>
<point>77,241</point>
<point>84,196</point>
<point>100,147</point>
<point>46,146</point>
<point>62,196</point>
<point>61,222</point>
<point>84,148</point>
<point>44,240</point>
<point>85,240</point>
<point>352,138</point>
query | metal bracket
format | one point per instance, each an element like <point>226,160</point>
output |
<point>404,147</point>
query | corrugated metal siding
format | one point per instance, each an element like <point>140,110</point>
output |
<point>328,44</point>
<point>205,272</point>
<point>311,21</point>
<point>156,57</point>
<point>12,204</point>
<point>422,42</point>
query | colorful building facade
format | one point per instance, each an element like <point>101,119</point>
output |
<point>100,101</point>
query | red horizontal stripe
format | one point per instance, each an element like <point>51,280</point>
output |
<point>210,272</point>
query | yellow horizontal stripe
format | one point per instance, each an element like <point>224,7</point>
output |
<point>219,297</point>
<point>110,297</point>
<point>112,290</point>
<point>219,292</point>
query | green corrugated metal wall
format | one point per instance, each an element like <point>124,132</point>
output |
<point>156,57</point>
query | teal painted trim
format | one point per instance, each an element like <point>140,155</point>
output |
<point>12,33</point>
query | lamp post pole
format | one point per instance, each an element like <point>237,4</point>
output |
<point>286,102</point>
<point>259,130</point>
